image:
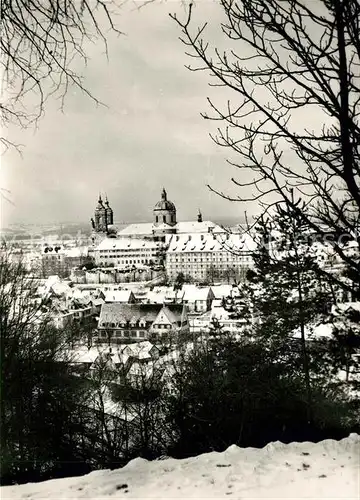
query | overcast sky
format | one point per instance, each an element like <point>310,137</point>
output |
<point>150,136</point>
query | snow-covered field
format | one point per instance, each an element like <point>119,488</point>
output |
<point>330,469</point>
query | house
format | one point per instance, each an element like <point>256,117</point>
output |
<point>160,295</point>
<point>125,296</point>
<point>124,323</point>
<point>198,299</point>
<point>62,317</point>
<point>141,351</point>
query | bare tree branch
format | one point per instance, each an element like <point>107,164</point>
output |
<point>287,61</point>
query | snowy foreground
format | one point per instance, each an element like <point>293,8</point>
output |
<point>330,469</point>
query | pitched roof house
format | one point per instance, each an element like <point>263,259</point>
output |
<point>126,296</point>
<point>124,323</point>
<point>198,299</point>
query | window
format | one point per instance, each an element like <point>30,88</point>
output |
<point>164,218</point>
<point>157,218</point>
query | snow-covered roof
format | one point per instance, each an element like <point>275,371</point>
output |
<point>126,244</point>
<point>159,295</point>
<point>313,332</point>
<point>118,312</point>
<point>84,355</point>
<point>345,306</point>
<point>140,350</point>
<point>193,293</point>
<point>141,228</point>
<point>54,284</point>
<point>216,242</point>
<point>197,227</point>
<point>118,295</point>
<point>76,252</point>
<point>147,228</point>
<point>221,291</point>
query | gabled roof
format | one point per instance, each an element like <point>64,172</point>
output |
<point>193,293</point>
<point>221,291</point>
<point>140,350</point>
<point>117,312</point>
<point>172,317</point>
<point>119,296</point>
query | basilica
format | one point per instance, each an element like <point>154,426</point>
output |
<point>164,222</point>
<point>198,249</point>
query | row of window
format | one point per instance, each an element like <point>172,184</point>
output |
<point>127,256</point>
<point>130,333</point>
<point>124,334</point>
<point>194,263</point>
<point>128,261</point>
<point>127,250</point>
<point>142,324</point>
<point>106,324</point>
<point>207,257</point>
<point>158,218</point>
<point>203,267</point>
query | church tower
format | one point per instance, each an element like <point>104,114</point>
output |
<point>100,222</point>
<point>164,211</point>
<point>109,213</point>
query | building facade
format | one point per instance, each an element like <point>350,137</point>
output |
<point>200,250</point>
<point>124,323</point>
<point>127,252</point>
<point>209,257</point>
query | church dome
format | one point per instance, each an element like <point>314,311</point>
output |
<point>164,213</point>
<point>164,203</point>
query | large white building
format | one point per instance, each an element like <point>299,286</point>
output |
<point>200,250</point>
<point>214,256</point>
<point>127,252</point>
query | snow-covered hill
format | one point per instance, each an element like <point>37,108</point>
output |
<point>330,469</point>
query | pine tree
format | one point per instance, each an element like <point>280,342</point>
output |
<point>289,296</point>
